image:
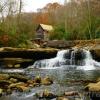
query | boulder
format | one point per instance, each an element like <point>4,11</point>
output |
<point>35,54</point>
<point>13,80</point>
<point>1,92</point>
<point>37,79</point>
<point>8,91</point>
<point>20,78</point>
<point>95,51</point>
<point>4,76</point>
<point>47,81</point>
<point>4,83</point>
<point>93,87</point>
<point>62,98</point>
<point>22,87</point>
<point>46,95</point>
<point>93,90</point>
<point>14,85</point>
<point>59,44</point>
<point>17,66</point>
<point>32,83</point>
<point>71,93</point>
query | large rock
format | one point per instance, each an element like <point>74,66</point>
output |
<point>20,78</point>
<point>46,95</point>
<point>71,93</point>
<point>62,98</point>
<point>1,92</point>
<point>35,54</point>
<point>47,81</point>
<point>93,90</point>
<point>59,44</point>
<point>93,87</point>
<point>22,87</point>
<point>95,51</point>
<point>4,76</point>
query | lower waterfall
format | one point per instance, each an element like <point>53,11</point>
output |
<point>70,59</point>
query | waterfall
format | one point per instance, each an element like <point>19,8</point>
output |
<point>71,59</point>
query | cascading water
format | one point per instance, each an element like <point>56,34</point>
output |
<point>71,59</point>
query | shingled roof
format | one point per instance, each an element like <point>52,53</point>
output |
<point>47,27</point>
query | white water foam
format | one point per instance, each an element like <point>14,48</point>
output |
<point>66,58</point>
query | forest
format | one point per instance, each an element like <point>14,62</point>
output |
<point>74,20</point>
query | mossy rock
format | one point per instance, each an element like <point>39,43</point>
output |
<point>20,78</point>
<point>4,76</point>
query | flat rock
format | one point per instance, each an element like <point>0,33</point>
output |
<point>93,87</point>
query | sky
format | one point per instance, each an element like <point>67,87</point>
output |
<point>33,5</point>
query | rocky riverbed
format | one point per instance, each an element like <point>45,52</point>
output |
<point>50,85</point>
<point>10,83</point>
<point>19,83</point>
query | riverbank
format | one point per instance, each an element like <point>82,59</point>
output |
<point>23,57</point>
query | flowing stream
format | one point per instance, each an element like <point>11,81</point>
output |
<point>69,59</point>
<point>68,70</point>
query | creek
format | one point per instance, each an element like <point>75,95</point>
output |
<point>70,70</point>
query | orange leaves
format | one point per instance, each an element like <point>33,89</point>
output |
<point>42,18</point>
<point>4,39</point>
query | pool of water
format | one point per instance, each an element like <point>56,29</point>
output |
<point>64,80</point>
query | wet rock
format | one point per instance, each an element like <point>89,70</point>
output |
<point>94,95</point>
<point>17,66</point>
<point>9,65</point>
<point>8,91</point>
<point>4,76</point>
<point>33,54</point>
<point>1,92</point>
<point>95,87</point>
<point>47,81</point>
<point>37,79</point>
<point>23,88</point>
<point>13,80</point>
<point>32,83</point>
<point>46,95</point>
<point>93,90</point>
<point>20,78</point>
<point>59,44</point>
<point>79,54</point>
<point>98,80</point>
<point>14,85</point>
<point>95,51</point>
<point>62,98</point>
<point>4,83</point>
<point>19,82</point>
<point>72,93</point>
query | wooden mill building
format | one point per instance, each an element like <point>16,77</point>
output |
<point>43,31</point>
